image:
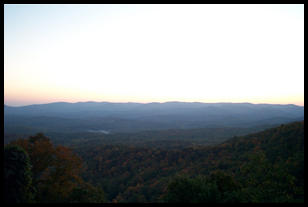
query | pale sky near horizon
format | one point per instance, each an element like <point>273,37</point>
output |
<point>153,53</point>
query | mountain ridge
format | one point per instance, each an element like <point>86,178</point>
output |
<point>132,117</point>
<point>167,102</point>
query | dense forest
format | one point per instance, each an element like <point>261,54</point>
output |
<point>261,167</point>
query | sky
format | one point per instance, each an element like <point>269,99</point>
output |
<point>153,53</point>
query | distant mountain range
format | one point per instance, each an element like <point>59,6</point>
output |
<point>132,117</point>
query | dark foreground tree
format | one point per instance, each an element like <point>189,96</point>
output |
<point>17,176</point>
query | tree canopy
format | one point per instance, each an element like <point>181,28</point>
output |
<point>56,170</point>
<point>17,175</point>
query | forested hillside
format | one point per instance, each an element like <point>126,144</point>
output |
<point>267,166</point>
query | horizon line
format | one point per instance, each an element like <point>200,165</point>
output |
<point>149,103</point>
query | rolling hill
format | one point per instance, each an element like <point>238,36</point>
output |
<point>134,117</point>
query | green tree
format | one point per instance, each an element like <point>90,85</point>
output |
<point>180,190</point>
<point>216,188</point>
<point>87,194</point>
<point>267,182</point>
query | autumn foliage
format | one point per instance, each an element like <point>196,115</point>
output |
<point>264,167</point>
<point>56,169</point>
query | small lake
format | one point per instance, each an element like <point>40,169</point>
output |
<point>99,131</point>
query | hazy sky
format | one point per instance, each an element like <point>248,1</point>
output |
<point>147,53</point>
